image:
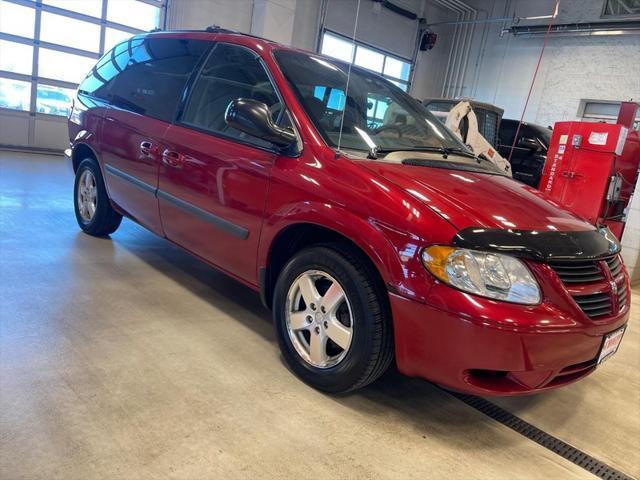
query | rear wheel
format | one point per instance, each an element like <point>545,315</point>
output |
<point>94,212</point>
<point>332,319</point>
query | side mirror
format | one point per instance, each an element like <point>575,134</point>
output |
<point>253,117</point>
<point>529,143</point>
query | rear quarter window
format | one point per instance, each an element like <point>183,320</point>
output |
<point>145,75</point>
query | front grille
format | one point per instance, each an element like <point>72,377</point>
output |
<point>582,271</point>
<point>575,273</point>
<point>622,296</point>
<point>615,265</point>
<point>595,305</point>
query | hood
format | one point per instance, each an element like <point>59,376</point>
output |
<point>469,199</point>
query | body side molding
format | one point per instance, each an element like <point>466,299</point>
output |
<point>219,222</point>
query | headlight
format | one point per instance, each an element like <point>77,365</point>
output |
<point>490,275</point>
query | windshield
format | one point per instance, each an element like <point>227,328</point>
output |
<point>376,112</point>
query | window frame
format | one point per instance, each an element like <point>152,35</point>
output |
<point>358,43</point>
<point>35,79</point>
<point>188,92</point>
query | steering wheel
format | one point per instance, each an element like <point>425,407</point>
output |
<point>397,128</point>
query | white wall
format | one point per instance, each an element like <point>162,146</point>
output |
<point>18,129</point>
<point>199,14</point>
<point>431,66</point>
<point>292,22</point>
<point>305,24</point>
<point>573,68</point>
<point>14,128</point>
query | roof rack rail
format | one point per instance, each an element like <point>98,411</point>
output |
<point>219,29</point>
<point>213,29</point>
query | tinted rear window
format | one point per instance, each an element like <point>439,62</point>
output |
<point>145,75</point>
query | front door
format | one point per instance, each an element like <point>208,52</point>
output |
<point>214,179</point>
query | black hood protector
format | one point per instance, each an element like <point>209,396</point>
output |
<point>541,246</point>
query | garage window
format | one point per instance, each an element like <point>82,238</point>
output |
<point>47,47</point>
<point>393,68</point>
<point>602,111</point>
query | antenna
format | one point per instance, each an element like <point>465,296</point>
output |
<point>346,88</point>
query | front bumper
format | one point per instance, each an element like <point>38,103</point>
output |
<point>486,347</point>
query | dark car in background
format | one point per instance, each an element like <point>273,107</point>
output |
<point>530,151</point>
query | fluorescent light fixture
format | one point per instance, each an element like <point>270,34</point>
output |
<point>539,17</point>
<point>608,32</point>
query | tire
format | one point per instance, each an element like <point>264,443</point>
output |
<point>364,311</point>
<point>93,210</point>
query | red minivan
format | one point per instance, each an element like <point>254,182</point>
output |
<point>368,228</point>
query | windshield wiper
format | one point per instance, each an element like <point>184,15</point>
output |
<point>461,152</point>
<point>444,151</point>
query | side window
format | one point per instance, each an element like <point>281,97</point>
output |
<point>229,73</point>
<point>154,75</point>
<point>101,78</point>
<point>507,132</point>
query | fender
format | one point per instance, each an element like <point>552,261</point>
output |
<point>85,126</point>
<point>84,139</point>
<point>387,248</point>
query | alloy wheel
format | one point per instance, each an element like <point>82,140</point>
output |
<point>319,319</point>
<point>87,196</point>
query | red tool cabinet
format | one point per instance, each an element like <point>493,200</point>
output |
<point>591,169</point>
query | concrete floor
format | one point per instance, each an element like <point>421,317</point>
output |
<point>127,358</point>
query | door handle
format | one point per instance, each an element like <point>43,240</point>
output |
<point>172,158</point>
<point>147,148</point>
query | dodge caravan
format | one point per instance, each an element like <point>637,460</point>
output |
<point>371,231</point>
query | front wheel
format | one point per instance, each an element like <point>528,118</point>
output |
<point>94,212</point>
<point>332,319</point>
